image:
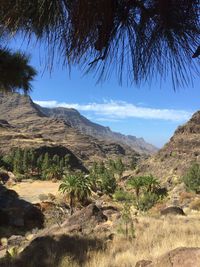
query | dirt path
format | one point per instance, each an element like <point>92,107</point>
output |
<point>31,190</point>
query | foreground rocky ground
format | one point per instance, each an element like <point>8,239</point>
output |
<point>96,234</point>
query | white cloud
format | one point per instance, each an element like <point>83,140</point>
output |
<point>115,110</point>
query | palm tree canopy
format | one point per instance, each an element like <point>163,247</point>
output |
<point>137,182</point>
<point>15,71</point>
<point>76,184</point>
<point>138,39</point>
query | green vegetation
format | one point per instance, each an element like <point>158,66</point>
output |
<point>126,226</point>
<point>102,178</point>
<point>192,178</point>
<point>122,195</point>
<point>26,163</point>
<point>147,191</point>
<point>16,73</point>
<point>77,186</point>
<point>134,162</point>
<point>116,167</point>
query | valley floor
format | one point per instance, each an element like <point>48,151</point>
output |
<point>33,191</point>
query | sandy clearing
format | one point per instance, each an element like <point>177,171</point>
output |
<point>30,190</point>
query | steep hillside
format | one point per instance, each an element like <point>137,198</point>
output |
<point>85,126</point>
<point>29,126</point>
<point>173,160</point>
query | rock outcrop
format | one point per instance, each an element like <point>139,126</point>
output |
<point>17,213</point>
<point>180,257</point>
<point>174,159</point>
<point>172,211</point>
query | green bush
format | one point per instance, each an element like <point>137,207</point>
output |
<point>19,177</point>
<point>192,178</point>
<point>121,195</point>
<point>147,201</point>
<point>108,182</point>
<point>147,191</point>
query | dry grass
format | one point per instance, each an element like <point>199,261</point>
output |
<point>154,237</point>
<point>195,204</point>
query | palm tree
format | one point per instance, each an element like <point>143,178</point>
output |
<point>15,71</point>
<point>151,183</point>
<point>137,183</point>
<point>146,38</point>
<point>77,186</point>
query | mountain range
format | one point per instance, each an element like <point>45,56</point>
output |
<point>85,126</point>
<point>25,124</point>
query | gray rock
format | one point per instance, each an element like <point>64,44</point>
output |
<point>173,210</point>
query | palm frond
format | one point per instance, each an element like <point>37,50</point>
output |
<point>138,40</point>
<point>15,72</point>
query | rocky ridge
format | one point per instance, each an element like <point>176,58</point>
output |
<point>174,159</point>
<point>23,124</point>
<point>85,126</point>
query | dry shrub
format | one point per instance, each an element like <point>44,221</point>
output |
<point>157,208</point>
<point>195,205</point>
<point>186,196</point>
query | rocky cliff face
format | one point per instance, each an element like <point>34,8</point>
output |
<point>85,126</point>
<point>174,159</point>
<point>24,124</point>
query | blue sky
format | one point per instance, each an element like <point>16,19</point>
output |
<point>152,112</point>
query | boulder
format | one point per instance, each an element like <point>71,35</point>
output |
<point>143,263</point>
<point>4,218</point>
<point>33,218</point>
<point>180,257</point>
<point>18,213</point>
<point>85,220</point>
<point>4,177</point>
<point>173,210</point>
<point>15,240</point>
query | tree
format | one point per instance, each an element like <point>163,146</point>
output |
<point>108,182</point>
<point>66,162</point>
<point>102,178</point>
<point>192,178</point>
<point>77,186</point>
<point>147,191</point>
<point>127,221</point>
<point>137,183</point>
<point>56,160</point>
<point>32,159</point>
<point>17,161</point>
<point>120,168</point>
<point>25,162</point>
<point>39,164</point>
<point>146,38</point>
<point>150,183</point>
<point>16,73</point>
<point>45,165</point>
<point>116,167</point>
